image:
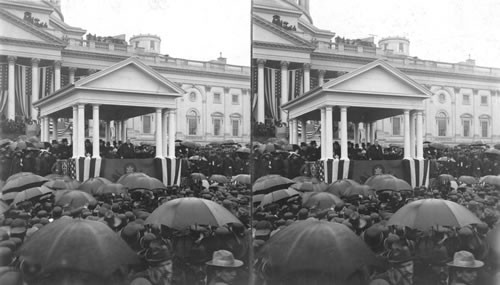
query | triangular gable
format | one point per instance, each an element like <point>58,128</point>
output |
<point>130,75</point>
<point>16,28</point>
<point>281,6</point>
<point>377,77</point>
<point>265,31</point>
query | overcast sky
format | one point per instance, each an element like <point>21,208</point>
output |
<point>442,30</point>
<point>191,29</point>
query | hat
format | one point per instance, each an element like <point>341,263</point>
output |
<point>224,258</point>
<point>263,228</point>
<point>158,254</point>
<point>465,259</point>
<point>399,255</point>
<point>438,256</point>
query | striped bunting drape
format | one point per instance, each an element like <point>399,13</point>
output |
<point>4,86</point>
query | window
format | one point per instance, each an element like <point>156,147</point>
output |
<point>401,47</point>
<point>236,99</point>
<point>146,124</point>
<point>442,98</point>
<point>217,98</point>
<point>396,126</point>
<point>235,124</point>
<point>136,44</point>
<point>484,129</point>
<point>466,99</point>
<point>466,124</point>
<point>152,45</point>
<point>192,96</point>
<point>192,122</point>
<point>217,126</point>
<point>442,122</point>
<point>484,100</point>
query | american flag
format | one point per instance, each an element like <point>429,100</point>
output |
<point>4,86</point>
<point>23,90</point>
<point>46,82</point>
<point>72,168</point>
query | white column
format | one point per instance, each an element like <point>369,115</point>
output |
<point>72,71</point>
<point>295,131</point>
<point>356,133</point>
<point>95,131</point>
<point>329,132</point>
<point>35,77</point>
<point>260,91</point>
<point>323,133</point>
<point>307,77</point>
<point>118,130</point>
<point>124,130</point>
<point>284,89</point>
<point>165,132</point>
<point>366,128</point>
<point>158,133</point>
<point>407,154</point>
<point>373,130</point>
<point>420,138</point>
<point>171,133</point>
<point>343,133</point>
<point>321,77</point>
<point>54,128</point>
<point>303,134</point>
<point>107,132</point>
<point>57,75</point>
<point>412,134</point>
<point>74,138</point>
<point>43,135</point>
<point>81,130</point>
<point>11,99</point>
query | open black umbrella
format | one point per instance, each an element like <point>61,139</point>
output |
<point>269,183</point>
<point>22,181</point>
<point>141,182</point>
<point>76,244</point>
<point>73,199</point>
<point>91,185</point>
<point>321,200</point>
<point>315,246</point>
<point>339,187</point>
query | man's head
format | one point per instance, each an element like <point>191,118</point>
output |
<point>465,267</point>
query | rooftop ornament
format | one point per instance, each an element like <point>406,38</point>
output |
<point>277,21</point>
<point>107,39</point>
<point>353,42</point>
<point>34,21</point>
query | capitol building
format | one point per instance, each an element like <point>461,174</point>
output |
<point>292,57</point>
<point>41,54</point>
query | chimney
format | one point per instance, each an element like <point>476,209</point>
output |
<point>221,59</point>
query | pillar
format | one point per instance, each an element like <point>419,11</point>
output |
<point>366,128</point>
<point>295,131</point>
<point>321,77</point>
<point>356,133</point>
<point>72,71</point>
<point>158,133</point>
<point>420,138</point>
<point>307,77</point>
<point>53,121</point>
<point>35,77</point>
<point>372,131</point>
<point>57,75</point>
<point>43,130</point>
<point>107,131</point>
<point>81,130</point>
<point>407,152</point>
<point>343,133</point>
<point>95,131</point>
<point>165,132</point>
<point>284,89</point>
<point>11,99</point>
<point>118,130</point>
<point>303,134</point>
<point>323,133</point>
<point>329,132</point>
<point>74,137</point>
<point>171,133</point>
<point>412,135</point>
<point>260,91</point>
<point>124,131</point>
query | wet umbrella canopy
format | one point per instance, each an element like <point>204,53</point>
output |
<point>141,182</point>
<point>278,196</point>
<point>427,213</point>
<point>387,182</point>
<point>242,179</point>
<point>22,181</point>
<point>338,187</point>
<point>269,183</point>
<point>77,244</point>
<point>318,246</point>
<point>182,213</point>
<point>32,193</point>
<point>321,200</point>
<point>93,184</point>
<point>72,199</point>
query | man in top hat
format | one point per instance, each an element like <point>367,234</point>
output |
<point>224,265</point>
<point>464,268</point>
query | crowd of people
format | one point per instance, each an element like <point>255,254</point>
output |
<point>203,254</point>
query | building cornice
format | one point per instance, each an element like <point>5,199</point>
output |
<point>31,6</point>
<point>30,43</point>
<point>282,46</point>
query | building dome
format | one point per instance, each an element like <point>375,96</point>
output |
<point>398,45</point>
<point>150,43</point>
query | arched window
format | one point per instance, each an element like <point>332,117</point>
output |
<point>193,119</point>
<point>442,123</point>
<point>466,124</point>
<point>218,123</point>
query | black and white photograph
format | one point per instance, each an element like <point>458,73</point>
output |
<point>259,142</point>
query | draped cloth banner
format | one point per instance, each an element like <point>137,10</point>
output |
<point>165,169</point>
<point>22,90</point>
<point>415,172</point>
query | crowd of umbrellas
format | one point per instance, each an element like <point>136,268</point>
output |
<point>79,240</point>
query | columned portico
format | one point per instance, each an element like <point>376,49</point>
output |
<point>260,91</point>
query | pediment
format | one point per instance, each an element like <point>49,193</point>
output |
<point>377,78</point>
<point>264,35</point>
<point>265,31</point>
<point>11,30</point>
<point>130,75</point>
